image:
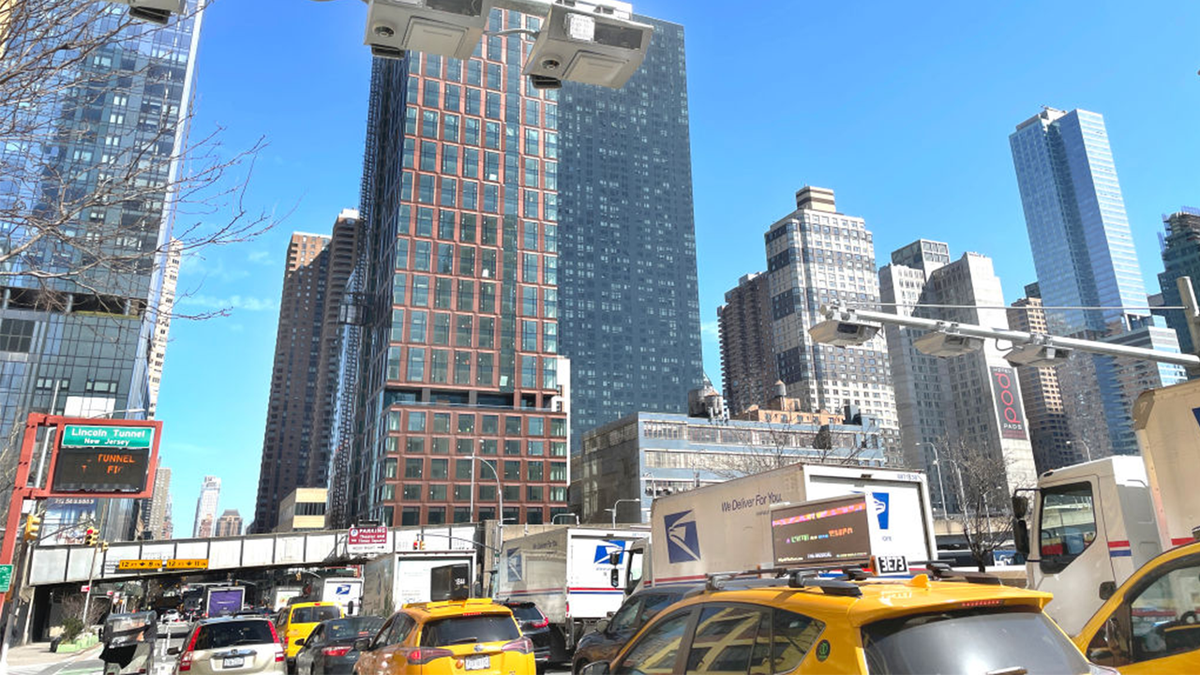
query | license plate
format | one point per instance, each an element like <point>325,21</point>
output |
<point>479,662</point>
<point>233,662</point>
<point>891,564</point>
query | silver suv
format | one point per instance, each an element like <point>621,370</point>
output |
<point>231,645</point>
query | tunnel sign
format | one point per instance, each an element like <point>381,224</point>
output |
<point>109,458</point>
<point>187,564</point>
<point>5,578</point>
<point>139,565</point>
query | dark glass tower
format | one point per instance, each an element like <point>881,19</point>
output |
<point>630,305</point>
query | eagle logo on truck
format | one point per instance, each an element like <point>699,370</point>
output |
<point>515,571</point>
<point>682,543</point>
<point>603,550</point>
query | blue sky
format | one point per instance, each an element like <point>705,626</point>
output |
<point>903,109</point>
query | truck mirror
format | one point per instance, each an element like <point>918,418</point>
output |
<point>614,558</point>
<point>1021,536</point>
<point>615,578</point>
<point>1020,506</point>
<point>1107,589</point>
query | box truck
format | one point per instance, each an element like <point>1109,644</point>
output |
<point>223,600</point>
<point>725,527</point>
<point>346,592</point>
<point>1086,528</point>
<point>575,575</point>
<point>394,579</point>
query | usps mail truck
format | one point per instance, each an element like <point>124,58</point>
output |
<point>726,527</point>
<point>574,574</point>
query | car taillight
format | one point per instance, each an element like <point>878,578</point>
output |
<point>336,651</point>
<point>185,659</point>
<point>540,624</point>
<point>523,645</point>
<point>280,654</point>
<point>274,633</point>
<point>423,655</point>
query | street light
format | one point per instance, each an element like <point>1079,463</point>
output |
<point>560,515</point>
<point>941,486</point>
<point>1086,449</point>
<point>618,503</point>
<point>846,327</point>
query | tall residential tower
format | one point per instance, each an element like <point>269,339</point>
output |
<point>818,256</point>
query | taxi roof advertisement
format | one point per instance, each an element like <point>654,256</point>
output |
<point>833,531</point>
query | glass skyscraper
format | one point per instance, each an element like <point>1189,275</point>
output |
<point>1084,256</point>
<point>81,342</point>
<point>1082,246</point>
<point>630,304</point>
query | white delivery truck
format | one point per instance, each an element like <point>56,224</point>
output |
<point>345,591</point>
<point>1088,527</point>
<point>282,594</point>
<point>725,527</point>
<point>393,580</point>
<point>574,574</point>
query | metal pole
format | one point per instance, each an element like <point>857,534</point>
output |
<point>500,503</point>
<point>941,486</point>
<point>472,488</point>
<point>87,598</point>
<point>37,476</point>
<point>839,313</point>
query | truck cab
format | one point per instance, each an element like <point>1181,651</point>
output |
<point>1086,528</point>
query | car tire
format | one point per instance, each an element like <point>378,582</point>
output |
<point>578,666</point>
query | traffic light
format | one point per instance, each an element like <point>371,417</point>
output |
<point>90,537</point>
<point>33,524</point>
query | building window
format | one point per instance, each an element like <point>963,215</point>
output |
<point>512,471</point>
<point>16,335</point>
<point>414,468</point>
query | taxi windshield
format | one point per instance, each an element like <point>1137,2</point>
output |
<point>984,641</point>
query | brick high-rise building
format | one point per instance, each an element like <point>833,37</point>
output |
<point>229,524</point>
<point>1049,427</point>
<point>289,431</point>
<point>747,356</point>
<point>297,445</point>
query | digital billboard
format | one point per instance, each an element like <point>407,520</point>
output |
<point>829,531</point>
<point>102,459</point>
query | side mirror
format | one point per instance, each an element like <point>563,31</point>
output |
<point>1021,537</point>
<point>596,668</point>
<point>614,578</point>
<point>1107,589</point>
<point>362,644</point>
<point>173,651</point>
<point>1020,506</point>
<point>601,625</point>
<point>614,558</point>
<point>300,642</point>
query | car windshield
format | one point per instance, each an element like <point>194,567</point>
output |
<point>984,641</point>
<point>350,629</point>
<point>232,634</point>
<point>314,614</point>
<point>526,612</point>
<point>469,629</point>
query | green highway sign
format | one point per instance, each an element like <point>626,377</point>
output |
<point>5,578</point>
<point>79,436</point>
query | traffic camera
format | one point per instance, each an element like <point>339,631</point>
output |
<point>592,44</point>
<point>446,27</point>
<point>33,524</point>
<point>153,11</point>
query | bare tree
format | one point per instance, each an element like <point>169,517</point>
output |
<point>94,167</point>
<point>979,482</point>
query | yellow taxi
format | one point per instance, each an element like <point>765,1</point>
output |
<point>296,622</point>
<point>452,637</point>
<point>1149,624</point>
<point>807,623</point>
